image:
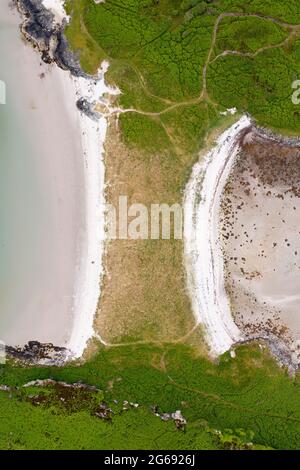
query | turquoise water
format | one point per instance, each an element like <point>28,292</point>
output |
<point>41,194</point>
<point>20,209</point>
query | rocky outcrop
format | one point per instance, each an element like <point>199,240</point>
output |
<point>44,33</point>
<point>53,383</point>
<point>104,412</point>
<point>88,108</point>
<point>39,353</point>
<point>179,420</point>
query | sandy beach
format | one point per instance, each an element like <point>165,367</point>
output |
<point>203,251</point>
<point>87,287</point>
<point>56,289</point>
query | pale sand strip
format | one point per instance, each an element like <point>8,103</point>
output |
<point>203,253</point>
<point>57,8</point>
<point>87,288</point>
<point>93,132</point>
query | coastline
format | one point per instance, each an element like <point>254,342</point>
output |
<point>202,250</point>
<point>93,133</point>
<point>90,270</point>
<point>81,93</point>
<point>259,226</point>
<point>206,259</point>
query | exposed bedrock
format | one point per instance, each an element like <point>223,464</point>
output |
<point>40,28</point>
<point>39,353</point>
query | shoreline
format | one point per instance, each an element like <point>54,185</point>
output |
<point>259,227</point>
<point>203,249</point>
<point>203,254</point>
<point>81,92</point>
<point>87,287</point>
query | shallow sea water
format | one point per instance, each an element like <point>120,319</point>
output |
<point>41,196</point>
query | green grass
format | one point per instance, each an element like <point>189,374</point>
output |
<point>248,34</point>
<point>287,10</point>
<point>25,427</point>
<point>195,121</point>
<point>90,53</point>
<point>245,396</point>
<point>261,86</point>
<point>157,48</point>
<point>157,58</point>
<point>143,131</point>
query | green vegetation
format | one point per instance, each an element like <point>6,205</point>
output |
<point>26,427</point>
<point>168,59</point>
<point>261,86</point>
<point>187,4</point>
<point>142,131</point>
<point>241,400</point>
<point>158,50</point>
<point>195,121</point>
<point>163,57</point>
<point>287,10</point>
<point>248,34</point>
<point>197,10</point>
<point>89,51</point>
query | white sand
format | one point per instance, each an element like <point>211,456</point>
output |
<point>57,8</point>
<point>60,295</point>
<point>87,289</point>
<point>203,254</point>
<point>90,269</point>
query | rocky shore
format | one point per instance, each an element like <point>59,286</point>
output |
<point>44,33</point>
<point>264,133</point>
<point>36,353</point>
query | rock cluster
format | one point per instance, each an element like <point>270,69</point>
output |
<point>180,421</point>
<point>88,109</point>
<point>39,353</point>
<point>51,382</point>
<point>44,33</point>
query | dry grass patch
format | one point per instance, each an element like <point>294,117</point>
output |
<point>143,295</point>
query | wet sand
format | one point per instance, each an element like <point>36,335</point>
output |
<point>260,233</point>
